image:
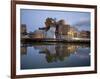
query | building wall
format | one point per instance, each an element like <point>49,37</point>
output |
<point>23,31</point>
<point>85,34</point>
<point>23,28</point>
<point>66,31</point>
<point>72,32</point>
<point>38,34</point>
<point>51,33</point>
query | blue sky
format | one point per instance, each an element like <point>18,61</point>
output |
<point>36,18</point>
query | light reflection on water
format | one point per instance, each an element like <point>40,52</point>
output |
<point>54,55</point>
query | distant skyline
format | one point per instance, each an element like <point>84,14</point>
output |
<point>36,18</point>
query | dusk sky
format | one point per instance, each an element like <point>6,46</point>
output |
<point>36,18</point>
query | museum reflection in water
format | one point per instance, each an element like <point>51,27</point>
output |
<point>54,55</point>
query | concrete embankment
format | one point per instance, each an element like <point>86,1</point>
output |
<point>78,40</point>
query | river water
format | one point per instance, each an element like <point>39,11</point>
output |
<point>54,55</point>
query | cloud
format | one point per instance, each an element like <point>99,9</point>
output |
<point>83,22</point>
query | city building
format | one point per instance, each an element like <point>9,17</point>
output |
<point>85,34</point>
<point>37,34</point>
<point>23,29</point>
<point>56,30</point>
<point>72,32</point>
<point>51,33</point>
<point>50,28</point>
<point>59,30</point>
<point>65,31</point>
